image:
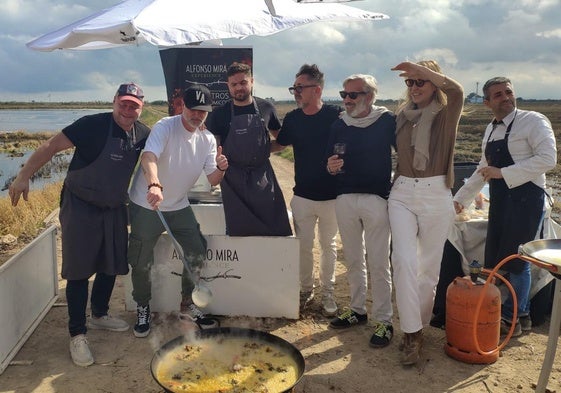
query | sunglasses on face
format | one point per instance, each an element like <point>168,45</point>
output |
<point>352,94</point>
<point>299,89</point>
<point>418,82</point>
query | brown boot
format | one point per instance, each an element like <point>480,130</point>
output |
<point>412,348</point>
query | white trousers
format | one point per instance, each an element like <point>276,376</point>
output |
<point>421,214</point>
<point>365,234</point>
<point>306,213</point>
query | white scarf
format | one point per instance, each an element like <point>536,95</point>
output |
<point>363,122</point>
<point>420,135</point>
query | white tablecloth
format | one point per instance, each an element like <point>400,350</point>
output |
<point>468,237</point>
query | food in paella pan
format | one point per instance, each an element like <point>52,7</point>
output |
<point>234,365</point>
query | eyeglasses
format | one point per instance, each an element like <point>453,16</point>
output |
<point>418,82</point>
<point>352,94</point>
<point>299,89</point>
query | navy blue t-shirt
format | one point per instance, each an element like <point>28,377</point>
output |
<point>368,163</point>
<point>218,121</point>
<point>308,135</point>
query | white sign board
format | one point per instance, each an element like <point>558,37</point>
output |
<point>252,276</point>
<point>28,289</point>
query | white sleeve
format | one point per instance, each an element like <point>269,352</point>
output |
<point>158,137</point>
<point>210,159</point>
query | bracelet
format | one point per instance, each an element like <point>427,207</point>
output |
<point>155,185</point>
<point>221,170</point>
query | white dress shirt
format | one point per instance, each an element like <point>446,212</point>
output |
<point>533,149</point>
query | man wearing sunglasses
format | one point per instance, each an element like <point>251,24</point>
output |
<point>368,132</point>
<point>252,198</point>
<point>93,212</point>
<point>307,130</point>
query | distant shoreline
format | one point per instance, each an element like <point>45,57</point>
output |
<point>54,105</point>
<point>7,105</point>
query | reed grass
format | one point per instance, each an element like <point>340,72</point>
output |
<point>26,220</point>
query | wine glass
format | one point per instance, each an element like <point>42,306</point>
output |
<point>339,149</point>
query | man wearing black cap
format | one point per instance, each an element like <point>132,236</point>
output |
<point>176,153</point>
<point>93,213</point>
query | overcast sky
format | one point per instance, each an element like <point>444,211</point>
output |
<point>473,40</point>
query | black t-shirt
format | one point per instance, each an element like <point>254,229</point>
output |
<point>218,121</point>
<point>368,163</point>
<point>308,135</point>
<point>89,134</point>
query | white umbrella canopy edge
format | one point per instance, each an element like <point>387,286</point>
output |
<point>168,23</point>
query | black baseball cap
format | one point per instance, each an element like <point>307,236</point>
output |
<point>198,97</point>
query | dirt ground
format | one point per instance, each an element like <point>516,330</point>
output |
<point>336,361</point>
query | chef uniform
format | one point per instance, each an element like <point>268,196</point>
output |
<point>515,215</point>
<point>253,201</point>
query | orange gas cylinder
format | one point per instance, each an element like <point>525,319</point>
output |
<point>462,297</point>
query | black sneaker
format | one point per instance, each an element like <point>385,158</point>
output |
<point>306,298</point>
<point>438,321</point>
<point>505,328</point>
<point>382,335</point>
<point>348,319</point>
<point>193,313</point>
<point>142,327</point>
<point>525,323</point>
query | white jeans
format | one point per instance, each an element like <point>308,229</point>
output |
<point>306,213</point>
<point>421,214</point>
<point>365,233</point>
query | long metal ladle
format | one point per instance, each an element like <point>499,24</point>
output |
<point>201,295</point>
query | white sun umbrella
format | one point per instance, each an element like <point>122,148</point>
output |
<point>177,22</point>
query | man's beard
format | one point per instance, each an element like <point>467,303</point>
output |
<point>241,97</point>
<point>358,109</point>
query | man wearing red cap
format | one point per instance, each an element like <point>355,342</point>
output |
<point>93,213</point>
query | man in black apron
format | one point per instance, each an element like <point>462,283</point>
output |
<point>253,201</point>
<point>518,149</point>
<point>93,213</point>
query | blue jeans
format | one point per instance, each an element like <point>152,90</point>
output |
<point>521,284</point>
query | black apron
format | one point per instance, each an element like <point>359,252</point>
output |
<point>515,214</point>
<point>93,212</point>
<point>253,201</point>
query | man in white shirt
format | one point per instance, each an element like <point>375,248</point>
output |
<point>518,149</point>
<point>176,153</point>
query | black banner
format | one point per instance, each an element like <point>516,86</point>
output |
<point>186,66</point>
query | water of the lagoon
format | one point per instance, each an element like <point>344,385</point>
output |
<point>35,121</point>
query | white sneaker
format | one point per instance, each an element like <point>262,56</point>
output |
<point>328,304</point>
<point>80,351</point>
<point>107,322</point>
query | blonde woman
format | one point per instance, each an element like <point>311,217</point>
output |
<point>420,204</point>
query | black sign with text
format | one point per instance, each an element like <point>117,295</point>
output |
<point>186,66</point>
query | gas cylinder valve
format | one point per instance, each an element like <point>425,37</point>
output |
<point>474,270</point>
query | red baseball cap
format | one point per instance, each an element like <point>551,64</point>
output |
<point>130,92</point>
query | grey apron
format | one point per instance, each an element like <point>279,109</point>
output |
<point>515,214</point>
<point>93,214</point>
<point>253,201</point>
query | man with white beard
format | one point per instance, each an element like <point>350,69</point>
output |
<point>363,184</point>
